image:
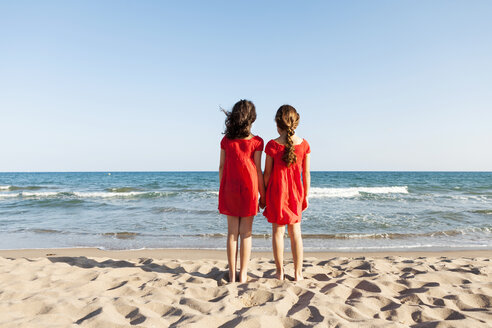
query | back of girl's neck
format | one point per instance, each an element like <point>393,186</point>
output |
<point>251,136</point>
<point>282,139</point>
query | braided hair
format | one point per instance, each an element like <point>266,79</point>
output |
<point>239,120</point>
<point>287,119</point>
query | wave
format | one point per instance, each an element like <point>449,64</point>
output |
<point>419,247</point>
<point>13,188</point>
<point>317,192</point>
<point>8,195</point>
<point>335,236</point>
<point>46,231</point>
<point>130,194</point>
<point>42,231</point>
<point>171,209</point>
<point>120,193</point>
<point>489,212</point>
<point>96,194</point>
<point>43,194</point>
<point>469,197</point>
<point>64,202</point>
<point>345,236</point>
<point>447,233</point>
<point>121,235</point>
<point>123,189</point>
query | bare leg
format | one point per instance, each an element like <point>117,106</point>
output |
<point>297,249</point>
<point>245,230</point>
<point>232,234</point>
<point>237,244</point>
<point>278,232</point>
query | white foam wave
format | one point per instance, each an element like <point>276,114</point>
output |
<point>109,194</point>
<point>468,197</point>
<point>316,192</point>
<point>475,229</point>
<point>8,195</point>
<point>76,194</point>
<point>402,247</point>
<point>38,194</point>
<point>5,187</point>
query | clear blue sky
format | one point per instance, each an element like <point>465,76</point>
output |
<point>137,85</point>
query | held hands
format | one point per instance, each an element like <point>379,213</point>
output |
<point>262,203</point>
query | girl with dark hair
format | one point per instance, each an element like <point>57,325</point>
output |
<point>287,180</point>
<point>240,181</point>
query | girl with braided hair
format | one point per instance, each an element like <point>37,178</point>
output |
<point>287,179</point>
<point>240,181</point>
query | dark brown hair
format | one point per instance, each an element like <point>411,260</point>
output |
<point>239,120</point>
<point>287,119</point>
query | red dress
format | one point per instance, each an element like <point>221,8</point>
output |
<point>238,193</point>
<point>285,191</point>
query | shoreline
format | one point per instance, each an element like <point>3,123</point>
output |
<point>202,254</point>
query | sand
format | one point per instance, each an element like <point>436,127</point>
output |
<point>188,288</point>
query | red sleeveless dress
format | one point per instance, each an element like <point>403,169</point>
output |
<point>285,191</point>
<point>238,193</point>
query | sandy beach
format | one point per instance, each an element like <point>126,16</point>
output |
<point>188,288</point>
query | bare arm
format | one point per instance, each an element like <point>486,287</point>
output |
<point>221,164</point>
<point>268,169</point>
<point>306,177</point>
<point>261,184</point>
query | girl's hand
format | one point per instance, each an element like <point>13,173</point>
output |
<point>305,203</point>
<point>262,203</point>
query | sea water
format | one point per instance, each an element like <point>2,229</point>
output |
<point>348,211</point>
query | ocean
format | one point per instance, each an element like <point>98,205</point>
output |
<point>349,211</point>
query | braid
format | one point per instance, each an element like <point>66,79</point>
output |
<point>287,119</point>
<point>289,156</point>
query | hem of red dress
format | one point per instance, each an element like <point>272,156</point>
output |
<point>276,221</point>
<point>241,215</point>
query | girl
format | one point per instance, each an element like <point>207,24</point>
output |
<point>287,163</point>
<point>240,180</point>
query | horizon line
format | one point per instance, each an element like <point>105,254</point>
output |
<point>210,171</point>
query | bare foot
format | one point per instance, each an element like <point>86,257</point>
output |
<point>232,277</point>
<point>243,278</point>
<point>279,275</point>
<point>298,277</point>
